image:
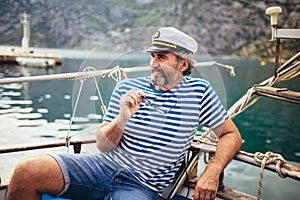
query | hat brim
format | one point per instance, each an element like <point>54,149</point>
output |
<point>159,49</point>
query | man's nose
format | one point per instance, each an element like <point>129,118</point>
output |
<point>154,63</point>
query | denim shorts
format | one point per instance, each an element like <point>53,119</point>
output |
<point>93,177</point>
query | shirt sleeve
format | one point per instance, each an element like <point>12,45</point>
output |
<point>212,112</point>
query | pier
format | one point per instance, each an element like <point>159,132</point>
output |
<point>24,55</point>
<point>30,58</point>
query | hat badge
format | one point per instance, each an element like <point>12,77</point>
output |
<point>156,35</point>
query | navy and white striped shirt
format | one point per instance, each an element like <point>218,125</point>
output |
<point>158,135</point>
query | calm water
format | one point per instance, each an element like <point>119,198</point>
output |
<point>269,125</point>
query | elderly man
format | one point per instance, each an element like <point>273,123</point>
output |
<point>144,136</point>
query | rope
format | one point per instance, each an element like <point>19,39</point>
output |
<point>208,137</point>
<point>116,73</point>
<point>68,138</point>
<point>266,159</point>
<point>97,73</point>
<point>287,71</point>
<point>103,107</point>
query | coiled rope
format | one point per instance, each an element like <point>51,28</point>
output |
<point>266,159</point>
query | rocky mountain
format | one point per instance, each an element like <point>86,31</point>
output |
<point>236,28</point>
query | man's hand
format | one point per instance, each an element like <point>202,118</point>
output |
<point>130,103</point>
<point>207,185</point>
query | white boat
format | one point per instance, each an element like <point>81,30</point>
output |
<point>35,62</point>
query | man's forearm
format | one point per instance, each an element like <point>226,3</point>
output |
<point>227,147</point>
<point>109,134</point>
<point>229,143</point>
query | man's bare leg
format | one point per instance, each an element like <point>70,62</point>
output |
<point>34,177</point>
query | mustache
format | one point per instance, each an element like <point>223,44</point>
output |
<point>156,70</point>
<point>160,71</point>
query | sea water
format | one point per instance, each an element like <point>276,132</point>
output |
<point>41,112</point>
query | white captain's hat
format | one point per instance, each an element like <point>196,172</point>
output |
<point>170,39</point>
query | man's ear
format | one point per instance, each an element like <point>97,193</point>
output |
<point>184,65</point>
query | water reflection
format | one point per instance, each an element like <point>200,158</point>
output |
<point>40,110</point>
<point>17,101</point>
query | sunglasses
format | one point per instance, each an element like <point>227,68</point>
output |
<point>160,106</point>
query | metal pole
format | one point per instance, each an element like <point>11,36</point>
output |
<point>82,75</point>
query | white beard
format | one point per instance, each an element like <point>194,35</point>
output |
<point>160,78</point>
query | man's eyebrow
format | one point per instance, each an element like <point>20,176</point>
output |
<point>159,54</point>
<point>162,54</point>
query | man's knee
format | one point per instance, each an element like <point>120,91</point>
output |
<point>26,170</point>
<point>30,178</point>
<point>38,170</point>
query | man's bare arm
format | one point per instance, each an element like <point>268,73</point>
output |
<point>109,134</point>
<point>229,143</point>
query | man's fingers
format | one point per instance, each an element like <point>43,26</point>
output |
<point>213,195</point>
<point>134,97</point>
<point>204,195</point>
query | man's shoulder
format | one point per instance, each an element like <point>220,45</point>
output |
<point>196,81</point>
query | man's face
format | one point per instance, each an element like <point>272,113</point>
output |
<point>164,68</point>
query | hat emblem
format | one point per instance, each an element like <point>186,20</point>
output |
<point>156,35</point>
